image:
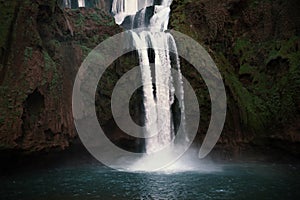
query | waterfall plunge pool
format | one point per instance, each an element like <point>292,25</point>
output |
<point>208,181</point>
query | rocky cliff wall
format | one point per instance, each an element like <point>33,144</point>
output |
<point>254,43</point>
<point>42,48</point>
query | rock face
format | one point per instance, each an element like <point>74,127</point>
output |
<point>255,45</point>
<point>42,48</point>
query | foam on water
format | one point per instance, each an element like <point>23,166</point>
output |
<point>189,162</point>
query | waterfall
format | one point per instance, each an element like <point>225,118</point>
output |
<point>81,3</point>
<point>158,99</point>
<point>67,3</point>
<point>73,3</point>
<point>122,8</point>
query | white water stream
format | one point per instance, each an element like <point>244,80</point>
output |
<point>158,99</point>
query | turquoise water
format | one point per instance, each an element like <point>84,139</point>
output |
<point>230,181</point>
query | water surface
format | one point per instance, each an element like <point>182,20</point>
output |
<point>230,181</point>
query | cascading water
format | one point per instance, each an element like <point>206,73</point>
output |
<point>67,3</point>
<point>153,17</point>
<point>81,3</point>
<point>74,3</point>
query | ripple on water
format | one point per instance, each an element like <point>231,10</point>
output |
<point>243,181</point>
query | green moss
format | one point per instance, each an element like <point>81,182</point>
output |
<point>54,43</point>
<point>55,81</point>
<point>253,112</point>
<point>270,97</point>
<point>85,50</point>
<point>241,45</point>
<point>80,21</point>
<point>27,53</point>
<point>245,69</point>
<point>95,17</point>
<point>50,68</point>
<point>49,63</point>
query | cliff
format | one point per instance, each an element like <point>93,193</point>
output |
<point>256,47</point>
<point>42,48</point>
<point>254,43</point>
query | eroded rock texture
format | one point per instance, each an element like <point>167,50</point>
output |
<point>254,43</point>
<point>42,48</point>
<point>256,47</point>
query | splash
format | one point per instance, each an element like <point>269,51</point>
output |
<point>188,162</point>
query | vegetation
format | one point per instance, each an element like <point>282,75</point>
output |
<point>260,71</point>
<point>254,44</point>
